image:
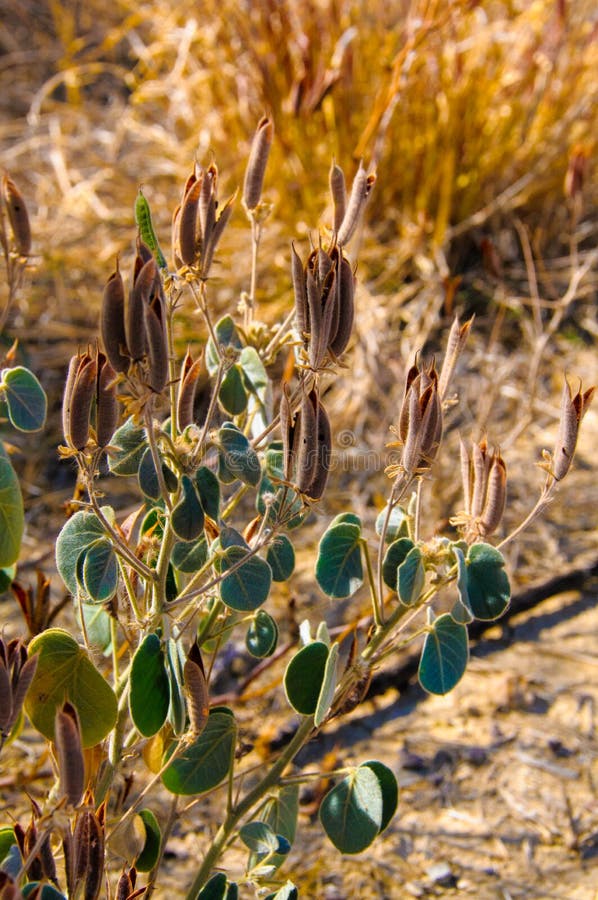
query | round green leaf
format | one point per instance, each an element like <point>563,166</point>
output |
<point>236,457</point>
<point>206,761</point>
<point>281,558</point>
<point>304,677</point>
<point>208,488</point>
<point>444,655</point>
<point>226,336</point>
<point>410,577</point>
<point>190,557</point>
<point>148,477</point>
<point>247,587</point>
<point>338,567</point>
<point>394,556</point>
<point>262,635</point>
<point>488,586</point>
<point>260,838</point>
<point>12,519</point>
<point>254,373</point>
<point>148,857</point>
<point>215,888</point>
<point>187,518</point>
<point>7,840</point>
<point>351,813</point>
<point>65,672</point>
<point>100,571</point>
<point>80,532</point>
<point>388,786</point>
<point>149,694</point>
<point>128,444</point>
<point>398,526</point>
<point>349,517</point>
<point>25,399</point>
<point>232,395</point>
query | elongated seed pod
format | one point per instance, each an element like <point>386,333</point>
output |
<point>123,887</point>
<point>324,265</point>
<point>17,215</point>
<point>69,754</point>
<point>324,443</point>
<point>480,468</point>
<point>496,496</point>
<point>465,474</point>
<point>258,160</point>
<point>217,232</point>
<point>46,858</point>
<point>68,396</point>
<point>287,429</point>
<point>143,218</point>
<point>139,299</point>
<point>338,191</point>
<point>207,204</point>
<point>300,291</point>
<point>143,255</point>
<point>412,376</point>
<point>196,689</point>
<point>189,234</point>
<point>341,334</point>
<point>412,443</point>
<point>5,700</point>
<point>157,347</point>
<point>355,206</point>
<point>95,874</point>
<point>106,402</point>
<point>82,396</point>
<point>190,372</point>
<point>19,690</point>
<point>175,244</point>
<point>307,442</point>
<point>455,344</point>
<point>34,867</point>
<point>431,427</point>
<point>329,306</point>
<point>112,322</point>
<point>315,318</point>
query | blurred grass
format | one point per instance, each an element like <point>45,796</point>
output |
<point>470,111</point>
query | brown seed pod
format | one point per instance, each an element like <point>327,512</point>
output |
<point>258,160</point>
<point>455,344</point>
<point>481,461</point>
<point>112,322</point>
<point>300,290</point>
<point>157,346</point>
<point>79,407</point>
<point>338,191</point>
<point>68,396</point>
<point>106,402</point>
<point>287,430</point>
<point>143,255</point>
<point>196,689</point>
<point>342,329</point>
<point>360,190</point>
<point>69,754</point>
<point>207,204</point>
<point>329,308</point>
<point>139,298</point>
<point>17,215</point>
<point>307,441</point>
<point>324,449</point>
<point>95,873</point>
<point>189,236</point>
<point>314,306</point>
<point>123,887</point>
<point>46,858</point>
<point>496,496</point>
<point>175,243</point>
<point>190,373</point>
<point>216,234</point>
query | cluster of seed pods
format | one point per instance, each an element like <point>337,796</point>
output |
<point>484,477</point>
<point>90,384</point>
<point>196,226</point>
<point>307,443</point>
<point>420,419</point>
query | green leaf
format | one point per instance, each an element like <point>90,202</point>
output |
<point>97,625</point>
<point>232,395</point>
<point>150,854</point>
<point>48,891</point>
<point>461,611</point>
<point>77,535</point>
<point>148,477</point>
<point>444,655</point>
<point>284,504</point>
<point>236,457</point>
<point>100,571</point>
<point>7,840</point>
<point>410,577</point>
<point>304,677</point>
<point>215,888</point>
<point>65,672</point>
<point>190,557</point>
<point>177,710</point>
<point>208,488</point>
<point>352,812</point>
<point>25,399</point>
<point>206,761</point>
<point>388,786</point>
<point>248,586</point>
<point>262,635</point>
<point>338,567</point>
<point>128,445</point>
<point>259,837</point>
<point>349,517</point>
<point>488,586</point>
<point>281,558</point>
<point>280,813</point>
<point>398,526</point>
<point>226,336</point>
<point>254,373</point>
<point>187,518</point>
<point>328,687</point>
<point>394,556</point>
<point>287,892</point>
<point>12,518</point>
<point>149,694</point>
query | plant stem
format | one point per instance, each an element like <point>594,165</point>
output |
<point>270,780</point>
<point>377,602</point>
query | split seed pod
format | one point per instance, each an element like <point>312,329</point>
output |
<point>106,402</point>
<point>256,166</point>
<point>306,450</point>
<point>190,373</point>
<point>573,409</point>
<point>69,754</point>
<point>79,394</point>
<point>189,237</point>
<point>112,322</point>
<point>155,327</point>
<point>323,453</point>
<point>17,215</point>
